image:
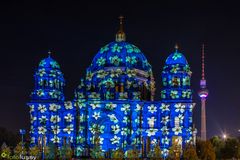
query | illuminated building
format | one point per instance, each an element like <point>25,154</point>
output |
<point>114,105</point>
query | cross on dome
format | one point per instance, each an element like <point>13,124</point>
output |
<point>176,47</point>
<point>49,53</point>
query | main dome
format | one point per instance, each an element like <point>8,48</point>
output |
<point>119,71</point>
<point>120,54</point>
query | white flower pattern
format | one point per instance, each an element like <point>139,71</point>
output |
<point>94,106</point>
<point>42,108</point>
<point>69,117</point>
<point>179,107</point>
<point>96,115</point>
<point>115,139</point>
<point>55,139</point>
<point>54,107</point>
<point>151,132</point>
<point>115,129</point>
<point>177,130</point>
<point>42,130</point>
<point>55,119</point>
<point>55,129</point>
<point>152,108</point>
<point>113,118</point>
<point>68,105</point>
<point>125,108</point>
<point>164,107</point>
<point>68,129</point>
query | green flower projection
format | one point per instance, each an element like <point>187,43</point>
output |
<point>131,60</point>
<point>104,49</point>
<point>176,55</point>
<point>116,48</point>
<point>101,61</point>
<point>115,60</point>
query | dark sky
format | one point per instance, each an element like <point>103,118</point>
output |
<point>75,31</point>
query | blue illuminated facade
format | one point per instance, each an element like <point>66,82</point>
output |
<point>114,106</point>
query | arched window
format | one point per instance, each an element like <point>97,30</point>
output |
<point>175,81</point>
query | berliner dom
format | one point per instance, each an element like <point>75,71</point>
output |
<point>113,106</point>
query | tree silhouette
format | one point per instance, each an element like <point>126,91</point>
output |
<point>8,137</point>
<point>231,149</point>
<point>35,151</point>
<point>66,152</point>
<point>156,153</point>
<point>205,150</point>
<point>118,154</point>
<point>20,149</point>
<point>174,152</point>
<point>190,153</point>
<point>132,153</point>
<point>218,145</point>
<point>96,151</point>
<point>51,151</point>
<point>5,150</point>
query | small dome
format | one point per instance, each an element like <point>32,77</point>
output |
<point>49,81</point>
<point>49,63</point>
<point>120,54</point>
<point>176,63</point>
<point>176,58</point>
<point>176,78</point>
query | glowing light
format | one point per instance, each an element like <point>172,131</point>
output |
<point>203,95</point>
<point>224,136</point>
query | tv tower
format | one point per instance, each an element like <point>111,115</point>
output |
<point>203,93</point>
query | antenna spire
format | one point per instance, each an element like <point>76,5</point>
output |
<point>120,36</point>
<point>203,62</point>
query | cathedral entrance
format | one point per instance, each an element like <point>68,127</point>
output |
<point>110,132</point>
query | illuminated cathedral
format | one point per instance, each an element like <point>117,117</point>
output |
<point>113,106</point>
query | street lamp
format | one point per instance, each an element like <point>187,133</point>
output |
<point>43,140</point>
<point>224,136</point>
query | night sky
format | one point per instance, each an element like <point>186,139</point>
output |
<point>75,31</point>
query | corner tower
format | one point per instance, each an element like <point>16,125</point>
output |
<point>49,81</point>
<point>46,104</point>
<point>176,78</point>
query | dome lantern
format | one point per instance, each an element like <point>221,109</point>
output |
<point>120,35</point>
<point>176,47</point>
